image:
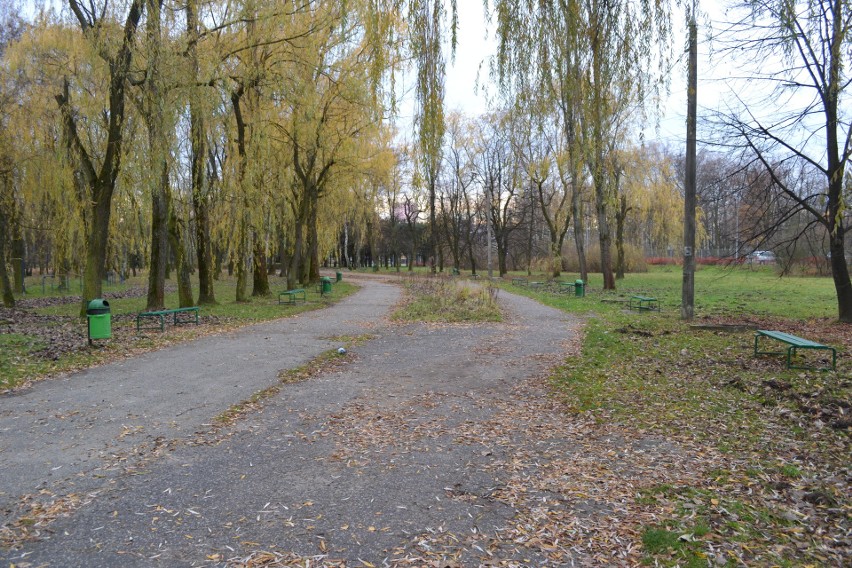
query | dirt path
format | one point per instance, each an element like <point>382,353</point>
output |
<point>434,444</point>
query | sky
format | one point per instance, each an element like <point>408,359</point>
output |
<point>476,44</point>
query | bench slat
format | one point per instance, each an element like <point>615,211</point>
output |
<point>795,342</point>
<point>790,338</point>
<point>293,295</point>
<point>161,315</point>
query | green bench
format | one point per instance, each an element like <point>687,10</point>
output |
<point>292,296</point>
<point>519,282</point>
<point>794,343</point>
<point>161,315</point>
<point>643,303</point>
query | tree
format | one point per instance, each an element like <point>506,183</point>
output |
<point>198,159</point>
<point>798,59</point>
<point>97,168</point>
<point>427,19</point>
<point>592,58</point>
<point>11,28</point>
<point>499,170</point>
<point>456,211</point>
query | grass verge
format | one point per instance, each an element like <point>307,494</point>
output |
<point>447,301</point>
<point>771,445</point>
<point>46,336</point>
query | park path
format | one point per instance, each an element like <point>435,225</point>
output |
<point>433,445</point>
<point>66,434</point>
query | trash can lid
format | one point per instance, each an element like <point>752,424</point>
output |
<point>97,306</point>
<point>578,281</point>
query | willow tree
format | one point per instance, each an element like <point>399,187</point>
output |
<point>428,27</point>
<point>11,28</point>
<point>198,157</point>
<point>330,113</point>
<point>796,116</point>
<point>97,159</point>
<point>591,58</point>
<point>157,110</point>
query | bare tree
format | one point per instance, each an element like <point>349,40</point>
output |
<point>800,53</point>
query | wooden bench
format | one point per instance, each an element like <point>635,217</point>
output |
<point>160,315</point>
<point>519,281</point>
<point>643,303</point>
<point>292,296</point>
<point>564,287</point>
<point>794,343</point>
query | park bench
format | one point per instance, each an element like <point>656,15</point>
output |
<point>519,281</point>
<point>643,303</point>
<point>292,296</point>
<point>794,343</point>
<point>565,287</point>
<point>160,316</point>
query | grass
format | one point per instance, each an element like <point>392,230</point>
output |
<point>22,357</point>
<point>772,485</point>
<point>771,428</point>
<point>447,301</point>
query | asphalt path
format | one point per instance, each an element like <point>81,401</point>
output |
<point>401,456</point>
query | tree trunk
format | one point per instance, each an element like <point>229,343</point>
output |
<point>295,261</point>
<point>241,259</point>
<point>5,285</point>
<point>182,269</point>
<point>260,283</point>
<point>159,247</point>
<point>96,246</point>
<point>433,229</point>
<point>198,159</point>
<point>579,237</point>
<point>620,218</point>
<point>840,274</point>
<point>312,272</point>
<point>605,239</point>
<point>19,258</point>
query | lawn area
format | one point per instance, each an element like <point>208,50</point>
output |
<point>774,485</point>
<point>45,336</point>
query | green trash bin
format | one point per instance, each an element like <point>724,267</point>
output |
<point>99,319</point>
<point>339,276</point>
<point>325,282</point>
<point>579,288</point>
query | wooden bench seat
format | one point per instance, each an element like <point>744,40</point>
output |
<point>794,343</point>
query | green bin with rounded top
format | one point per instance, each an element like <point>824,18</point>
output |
<point>325,281</point>
<point>99,319</point>
<point>579,288</point>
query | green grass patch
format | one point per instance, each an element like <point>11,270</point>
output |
<point>33,353</point>
<point>652,372</point>
<point>448,301</point>
<point>15,359</point>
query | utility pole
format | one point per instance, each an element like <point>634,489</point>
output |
<point>687,306</point>
<point>488,228</point>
